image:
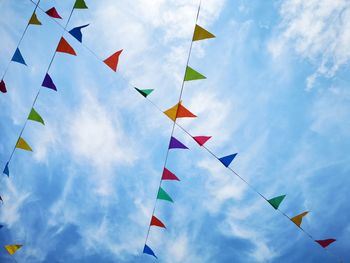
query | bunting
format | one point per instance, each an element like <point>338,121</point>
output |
<point>162,195</point>
<point>227,160</point>
<point>6,170</point>
<point>149,251</point>
<point>176,144</point>
<point>276,201</point>
<point>201,140</point>
<point>80,4</point>
<point>64,47</point>
<point>178,111</point>
<point>156,222</point>
<point>3,86</point>
<point>200,33</point>
<point>53,13</point>
<point>167,175</point>
<point>326,242</point>
<point>17,57</point>
<point>34,20</point>
<point>34,116</point>
<point>1,199</point>
<point>299,218</point>
<point>113,60</point>
<point>22,144</point>
<point>12,249</point>
<point>76,32</point>
<point>144,92</point>
<point>48,83</point>
<point>191,74</point>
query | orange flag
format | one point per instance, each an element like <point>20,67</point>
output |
<point>178,111</point>
<point>112,61</point>
<point>64,47</point>
<point>299,218</point>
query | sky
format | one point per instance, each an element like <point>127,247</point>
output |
<point>277,93</point>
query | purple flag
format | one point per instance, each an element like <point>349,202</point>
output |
<point>176,144</point>
<point>48,83</point>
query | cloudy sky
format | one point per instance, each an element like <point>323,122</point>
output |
<point>277,92</point>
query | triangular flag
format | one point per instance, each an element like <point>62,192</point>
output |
<point>17,57</point>
<point>34,20</point>
<point>112,61</point>
<point>167,175</point>
<point>53,13</point>
<point>80,4</point>
<point>191,74</point>
<point>176,144</point>
<point>22,144</point>
<point>201,140</point>
<point>11,249</point>
<point>144,92</point>
<point>6,169</point>
<point>227,160</point>
<point>178,111</point>
<point>276,201</point>
<point>326,242</point>
<point>48,83</point>
<point>299,218</point>
<point>200,33</point>
<point>164,195</point>
<point>1,199</point>
<point>3,86</point>
<point>76,32</point>
<point>149,251</point>
<point>156,222</point>
<point>34,116</point>
<point>64,47</point>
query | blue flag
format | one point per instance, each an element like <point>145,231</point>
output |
<point>227,160</point>
<point>17,57</point>
<point>149,251</point>
<point>76,32</point>
<point>6,170</point>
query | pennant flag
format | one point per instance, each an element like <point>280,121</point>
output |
<point>112,61</point>
<point>191,74</point>
<point>299,218</point>
<point>22,144</point>
<point>48,83</point>
<point>76,32</point>
<point>11,249</point>
<point>144,92</point>
<point>176,144</point>
<point>162,195</point>
<point>178,111</point>
<point>64,47</point>
<point>201,140</point>
<point>156,222</point>
<point>6,169</point>
<point>53,13</point>
<point>17,57</point>
<point>34,116</point>
<point>3,86</point>
<point>34,20</point>
<point>326,242</point>
<point>149,251</point>
<point>167,175</point>
<point>227,160</point>
<point>1,199</point>
<point>276,201</point>
<point>80,4</point>
<point>200,33</point>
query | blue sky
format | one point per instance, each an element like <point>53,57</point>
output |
<point>276,92</point>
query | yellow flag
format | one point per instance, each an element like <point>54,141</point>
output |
<point>200,33</point>
<point>22,144</point>
<point>11,249</point>
<point>171,113</point>
<point>299,218</point>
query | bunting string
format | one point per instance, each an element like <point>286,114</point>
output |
<point>17,57</point>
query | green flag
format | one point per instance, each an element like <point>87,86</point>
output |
<point>144,92</point>
<point>163,195</point>
<point>34,116</point>
<point>191,74</point>
<point>80,4</point>
<point>276,201</point>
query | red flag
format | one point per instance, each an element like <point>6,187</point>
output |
<point>112,61</point>
<point>326,242</point>
<point>53,13</point>
<point>156,222</point>
<point>201,140</point>
<point>3,86</point>
<point>167,175</point>
<point>64,47</point>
